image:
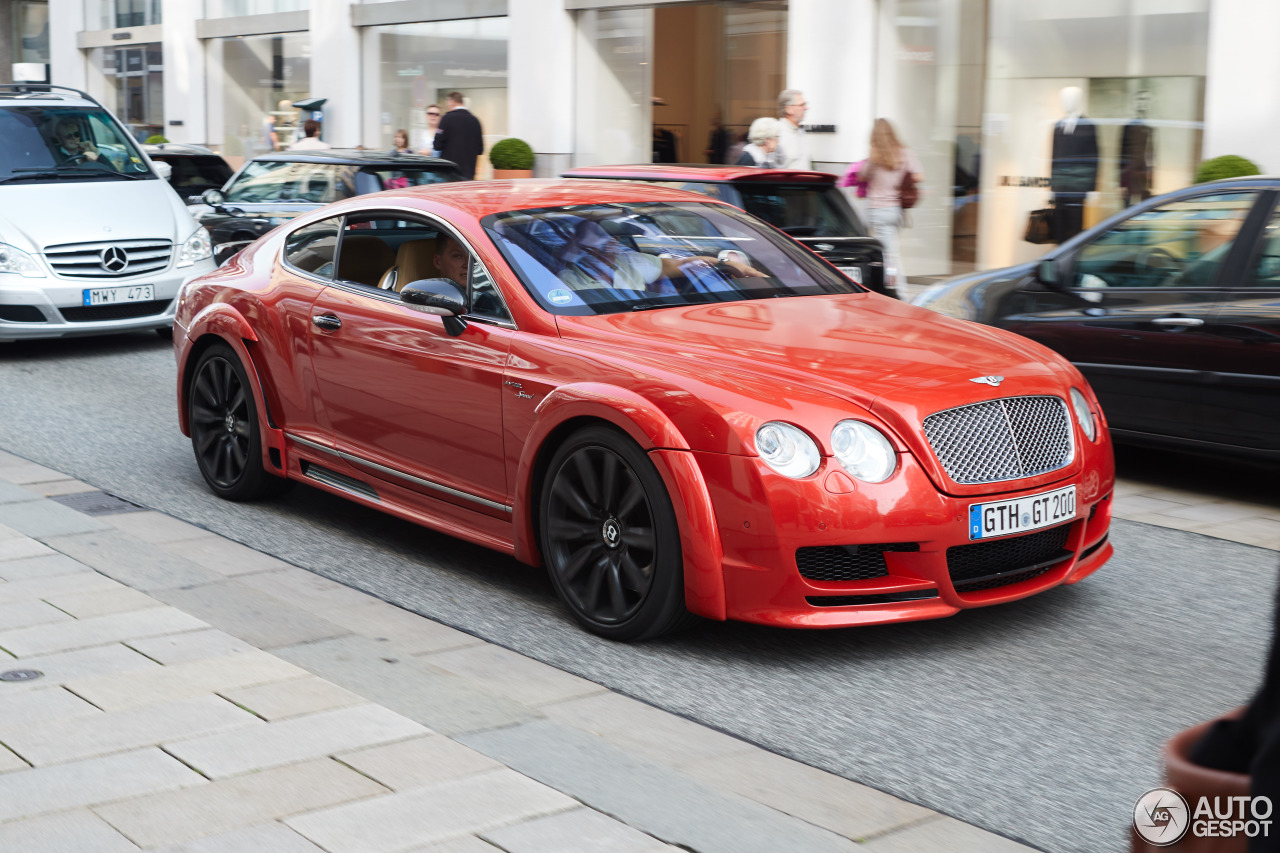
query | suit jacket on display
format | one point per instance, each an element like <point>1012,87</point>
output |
<point>461,140</point>
<point>1075,158</point>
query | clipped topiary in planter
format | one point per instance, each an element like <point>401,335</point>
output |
<point>1226,166</point>
<point>511,158</point>
<point>155,139</point>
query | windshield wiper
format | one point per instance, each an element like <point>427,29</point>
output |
<point>650,304</point>
<point>67,171</point>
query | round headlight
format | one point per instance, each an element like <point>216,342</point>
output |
<point>1084,414</point>
<point>787,449</point>
<point>864,451</point>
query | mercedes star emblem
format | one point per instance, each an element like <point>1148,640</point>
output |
<point>993,381</point>
<point>114,259</point>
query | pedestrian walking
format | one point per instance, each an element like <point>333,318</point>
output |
<point>892,174</point>
<point>762,144</point>
<point>433,127</point>
<point>461,139</point>
<point>400,142</point>
<point>310,140</point>
<point>793,146</point>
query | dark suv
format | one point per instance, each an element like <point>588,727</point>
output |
<point>194,168</point>
<point>806,205</point>
<point>273,188</point>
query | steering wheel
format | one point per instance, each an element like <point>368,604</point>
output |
<point>1156,263</point>
<point>75,158</point>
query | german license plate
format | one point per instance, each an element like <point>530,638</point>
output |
<point>854,273</point>
<point>113,295</point>
<point>1019,515</point>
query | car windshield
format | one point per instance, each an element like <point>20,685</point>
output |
<point>608,258</point>
<point>46,144</point>
<point>284,181</point>
<point>397,179</point>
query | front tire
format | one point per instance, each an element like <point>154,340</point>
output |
<point>610,538</point>
<point>225,433</point>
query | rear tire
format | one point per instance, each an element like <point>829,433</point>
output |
<point>610,538</point>
<point>225,433</point>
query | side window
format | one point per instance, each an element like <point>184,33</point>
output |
<point>368,250</point>
<point>1181,244</point>
<point>486,299</point>
<point>261,180</point>
<point>1266,272</point>
<point>312,247</point>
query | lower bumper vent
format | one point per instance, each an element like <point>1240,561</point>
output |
<point>986,565</point>
<point>847,562</point>
<point>121,311</point>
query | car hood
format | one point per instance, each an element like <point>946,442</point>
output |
<point>93,211</point>
<point>856,347</point>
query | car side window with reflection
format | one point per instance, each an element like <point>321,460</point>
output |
<point>312,247</point>
<point>1182,244</point>
<point>1266,271</point>
<point>485,298</point>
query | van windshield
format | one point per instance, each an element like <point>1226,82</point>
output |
<point>48,144</point>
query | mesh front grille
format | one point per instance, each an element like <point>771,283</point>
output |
<point>119,311</point>
<point>84,260</point>
<point>984,561</point>
<point>1001,439</point>
<point>1001,580</point>
<point>847,562</point>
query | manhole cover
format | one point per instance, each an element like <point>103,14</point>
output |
<point>20,675</point>
<point>97,503</point>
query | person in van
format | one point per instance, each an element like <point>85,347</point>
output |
<point>70,145</point>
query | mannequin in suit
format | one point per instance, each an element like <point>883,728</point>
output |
<point>1074,172</point>
<point>1137,153</point>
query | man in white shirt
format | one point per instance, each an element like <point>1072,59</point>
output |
<point>792,144</point>
<point>311,140</point>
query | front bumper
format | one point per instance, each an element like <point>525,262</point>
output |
<point>31,308</point>
<point>764,519</point>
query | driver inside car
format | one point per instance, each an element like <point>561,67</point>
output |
<point>71,147</point>
<point>593,257</point>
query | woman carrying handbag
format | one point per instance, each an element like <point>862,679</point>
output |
<point>892,175</point>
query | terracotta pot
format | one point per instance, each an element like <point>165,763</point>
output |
<point>507,174</point>
<point>1193,781</point>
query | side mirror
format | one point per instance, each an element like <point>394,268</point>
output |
<point>213,198</point>
<point>1047,271</point>
<point>439,296</point>
<point>163,170</point>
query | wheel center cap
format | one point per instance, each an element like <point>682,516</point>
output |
<point>611,531</point>
<point>230,422</point>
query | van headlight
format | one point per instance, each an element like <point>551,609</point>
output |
<point>197,248</point>
<point>1084,414</point>
<point>787,449</point>
<point>864,451</point>
<point>14,260</point>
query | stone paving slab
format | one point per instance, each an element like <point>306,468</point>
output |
<point>577,831</point>
<point>97,631</point>
<point>41,706</point>
<point>280,700</point>
<point>34,589</point>
<point>419,762</point>
<point>154,527</point>
<point>10,761</point>
<point>406,632</point>
<point>11,493</point>
<point>438,812</point>
<point>84,605</point>
<point>27,793</point>
<point>255,617</point>
<point>19,546</point>
<point>189,646</point>
<point>228,558</point>
<point>944,834</point>
<point>79,831</point>
<point>99,661</point>
<point>42,566</point>
<point>140,565</point>
<point>23,614</point>
<point>524,679</point>
<point>222,806</point>
<point>293,740</point>
<point>183,680</point>
<point>42,519</point>
<point>263,838</point>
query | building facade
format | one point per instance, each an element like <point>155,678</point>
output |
<point>977,88</point>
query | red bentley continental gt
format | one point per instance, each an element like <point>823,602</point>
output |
<point>677,409</point>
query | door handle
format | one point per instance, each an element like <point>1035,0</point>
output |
<point>328,322</point>
<point>1184,322</point>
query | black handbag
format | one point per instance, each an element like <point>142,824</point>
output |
<point>1040,226</point>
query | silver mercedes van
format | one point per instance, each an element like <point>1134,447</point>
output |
<point>92,239</point>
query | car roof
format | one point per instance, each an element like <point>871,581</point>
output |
<point>481,198</point>
<point>705,172</point>
<point>354,157</point>
<point>179,148</point>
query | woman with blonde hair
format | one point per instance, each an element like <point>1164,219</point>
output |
<point>892,174</point>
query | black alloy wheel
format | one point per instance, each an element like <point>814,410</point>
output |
<point>610,538</point>
<point>224,427</point>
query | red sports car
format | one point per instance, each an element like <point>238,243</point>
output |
<point>677,409</point>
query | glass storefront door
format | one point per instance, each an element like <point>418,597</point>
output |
<point>253,82</point>
<point>133,80</point>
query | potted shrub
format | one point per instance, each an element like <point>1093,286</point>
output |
<point>511,158</point>
<point>1226,166</point>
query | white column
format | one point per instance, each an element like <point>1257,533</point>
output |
<point>336,71</point>
<point>67,63</point>
<point>831,53</point>
<point>540,82</point>
<point>1243,83</point>
<point>184,74</point>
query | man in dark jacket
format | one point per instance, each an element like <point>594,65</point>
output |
<point>460,138</point>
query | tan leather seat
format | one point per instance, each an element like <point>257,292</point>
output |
<point>364,259</point>
<point>415,261</point>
